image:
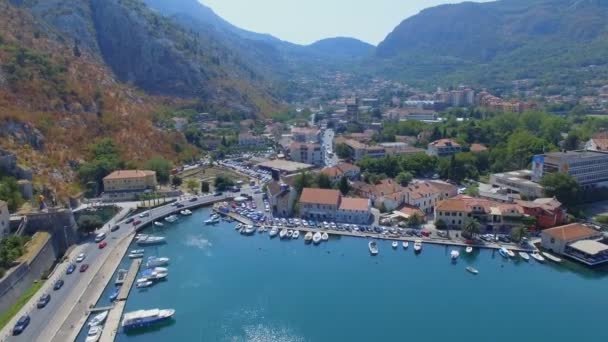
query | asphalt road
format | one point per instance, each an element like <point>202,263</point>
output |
<point>328,138</point>
<point>76,282</point>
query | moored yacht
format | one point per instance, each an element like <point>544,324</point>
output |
<point>296,234</point>
<point>524,256</point>
<point>418,246</point>
<point>538,257</point>
<point>454,254</point>
<point>158,224</point>
<point>211,221</point>
<point>186,212</point>
<point>171,218</point>
<point>94,334</point>
<point>373,247</point>
<point>503,251</point>
<point>289,233</point>
<point>249,230</point>
<point>99,318</point>
<point>308,237</point>
<point>469,250</point>
<point>273,232</point>
<point>316,238</point>
<point>136,255</point>
<point>151,240</point>
<point>283,233</point>
<point>144,318</point>
<point>157,261</point>
<point>552,257</point>
<point>395,244</point>
<point>405,244</point>
<point>143,283</point>
<point>324,236</point>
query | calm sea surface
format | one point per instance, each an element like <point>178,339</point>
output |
<point>228,287</point>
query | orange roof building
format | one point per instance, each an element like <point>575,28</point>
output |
<point>329,205</point>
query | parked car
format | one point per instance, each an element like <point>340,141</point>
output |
<point>58,284</point>
<point>21,324</point>
<point>43,301</point>
<point>84,267</point>
<point>80,257</point>
<point>71,269</point>
<point>103,244</point>
<point>115,228</point>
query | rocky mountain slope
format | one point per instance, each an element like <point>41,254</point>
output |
<point>499,41</point>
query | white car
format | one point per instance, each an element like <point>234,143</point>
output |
<point>80,257</point>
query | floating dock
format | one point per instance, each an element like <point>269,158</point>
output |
<point>120,277</point>
<point>111,327</point>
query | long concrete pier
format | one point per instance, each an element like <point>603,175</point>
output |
<point>111,327</point>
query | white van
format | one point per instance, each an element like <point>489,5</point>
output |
<point>100,237</point>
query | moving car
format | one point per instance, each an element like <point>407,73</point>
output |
<point>144,214</point>
<point>100,237</point>
<point>136,223</point>
<point>71,269</point>
<point>21,324</point>
<point>43,301</point>
<point>130,220</point>
<point>80,257</point>
<point>103,244</point>
<point>58,284</point>
<point>115,228</point>
<point>194,199</point>
<point>84,267</point>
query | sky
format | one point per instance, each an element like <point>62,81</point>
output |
<point>306,21</point>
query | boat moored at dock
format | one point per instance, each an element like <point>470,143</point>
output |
<point>418,246</point>
<point>157,261</point>
<point>296,234</point>
<point>94,334</point>
<point>151,240</point>
<point>308,237</point>
<point>454,254</point>
<point>395,244</point>
<point>524,256</point>
<point>324,236</point>
<point>171,218</point>
<point>158,224</point>
<point>373,247</point>
<point>469,250</point>
<point>552,257</point>
<point>316,238</point>
<point>273,232</point>
<point>186,212</point>
<point>405,244</point>
<point>144,318</point>
<point>99,318</point>
<point>538,257</point>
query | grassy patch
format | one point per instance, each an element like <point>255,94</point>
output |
<point>14,309</point>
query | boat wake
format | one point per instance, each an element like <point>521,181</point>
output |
<point>200,243</point>
<point>265,333</point>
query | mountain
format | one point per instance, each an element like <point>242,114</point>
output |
<point>343,47</point>
<point>158,55</point>
<point>495,42</point>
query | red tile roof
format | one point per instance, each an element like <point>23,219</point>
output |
<point>320,196</point>
<point>573,231</point>
<point>351,203</point>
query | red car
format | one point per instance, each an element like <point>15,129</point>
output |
<point>136,223</point>
<point>84,267</point>
<point>102,244</point>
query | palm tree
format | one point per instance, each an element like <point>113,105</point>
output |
<point>471,228</point>
<point>519,233</point>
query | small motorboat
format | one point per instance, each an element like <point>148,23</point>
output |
<point>158,224</point>
<point>324,236</point>
<point>395,244</point>
<point>454,254</point>
<point>524,256</point>
<point>273,232</point>
<point>186,212</point>
<point>316,238</point>
<point>469,250</point>
<point>510,253</point>
<point>308,237</point>
<point>136,255</point>
<point>472,270</point>
<point>538,257</point>
<point>418,246</point>
<point>114,295</point>
<point>94,334</point>
<point>143,283</point>
<point>405,244</point>
<point>212,221</point>
<point>99,318</point>
<point>137,251</point>
<point>296,234</point>
<point>373,247</point>
<point>249,230</point>
<point>504,252</point>
<point>171,218</point>
<point>289,233</point>
<point>283,233</point>
<point>552,257</point>
<point>157,261</point>
<point>238,226</point>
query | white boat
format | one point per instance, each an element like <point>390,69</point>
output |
<point>186,212</point>
<point>238,226</point>
<point>296,234</point>
<point>171,218</point>
<point>511,254</point>
<point>137,251</point>
<point>324,236</point>
<point>454,254</point>
<point>552,257</point>
<point>136,255</point>
<point>249,230</point>
<point>316,238</point>
<point>151,240</point>
<point>157,261</point>
<point>373,247</point>
<point>143,282</point>
<point>472,270</point>
<point>99,318</point>
<point>273,232</point>
<point>524,256</point>
<point>418,246</point>
<point>289,233</point>
<point>538,257</point>
<point>395,244</point>
<point>212,221</point>
<point>308,237</point>
<point>283,233</point>
<point>469,250</point>
<point>504,252</point>
<point>158,224</point>
<point>405,244</point>
<point>144,318</point>
<point>94,334</point>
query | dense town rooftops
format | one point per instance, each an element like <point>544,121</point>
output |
<point>350,203</point>
<point>573,231</point>
<point>320,196</point>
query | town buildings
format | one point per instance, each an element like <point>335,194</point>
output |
<point>335,173</point>
<point>308,153</point>
<point>128,184</point>
<point>282,197</point>
<point>598,142</point>
<point>589,168</point>
<point>250,140</point>
<point>576,241</point>
<point>329,205</point>
<point>4,220</point>
<point>519,182</point>
<point>306,135</point>
<point>548,212</point>
<point>493,216</point>
<point>443,148</point>
<point>360,150</point>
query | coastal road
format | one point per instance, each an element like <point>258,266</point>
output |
<point>327,142</point>
<point>46,322</point>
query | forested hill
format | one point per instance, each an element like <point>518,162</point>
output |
<point>493,42</point>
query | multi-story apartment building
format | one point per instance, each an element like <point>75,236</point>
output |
<point>128,184</point>
<point>493,216</point>
<point>329,205</point>
<point>519,182</point>
<point>250,140</point>
<point>282,198</point>
<point>589,168</point>
<point>306,134</point>
<point>4,220</point>
<point>307,153</point>
<point>335,173</point>
<point>443,148</point>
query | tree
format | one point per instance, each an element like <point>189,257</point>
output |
<point>562,186</point>
<point>192,185</point>
<point>383,208</point>
<point>344,186</point>
<point>303,180</point>
<point>204,187</point>
<point>323,181</point>
<point>404,178</point>
<point>415,220</point>
<point>89,223</point>
<point>161,166</point>
<point>10,193</point>
<point>441,225</point>
<point>222,183</point>
<point>518,233</point>
<point>105,159</point>
<point>343,151</point>
<point>471,228</point>
<point>176,181</point>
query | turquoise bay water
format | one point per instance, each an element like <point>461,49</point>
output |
<point>228,287</point>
